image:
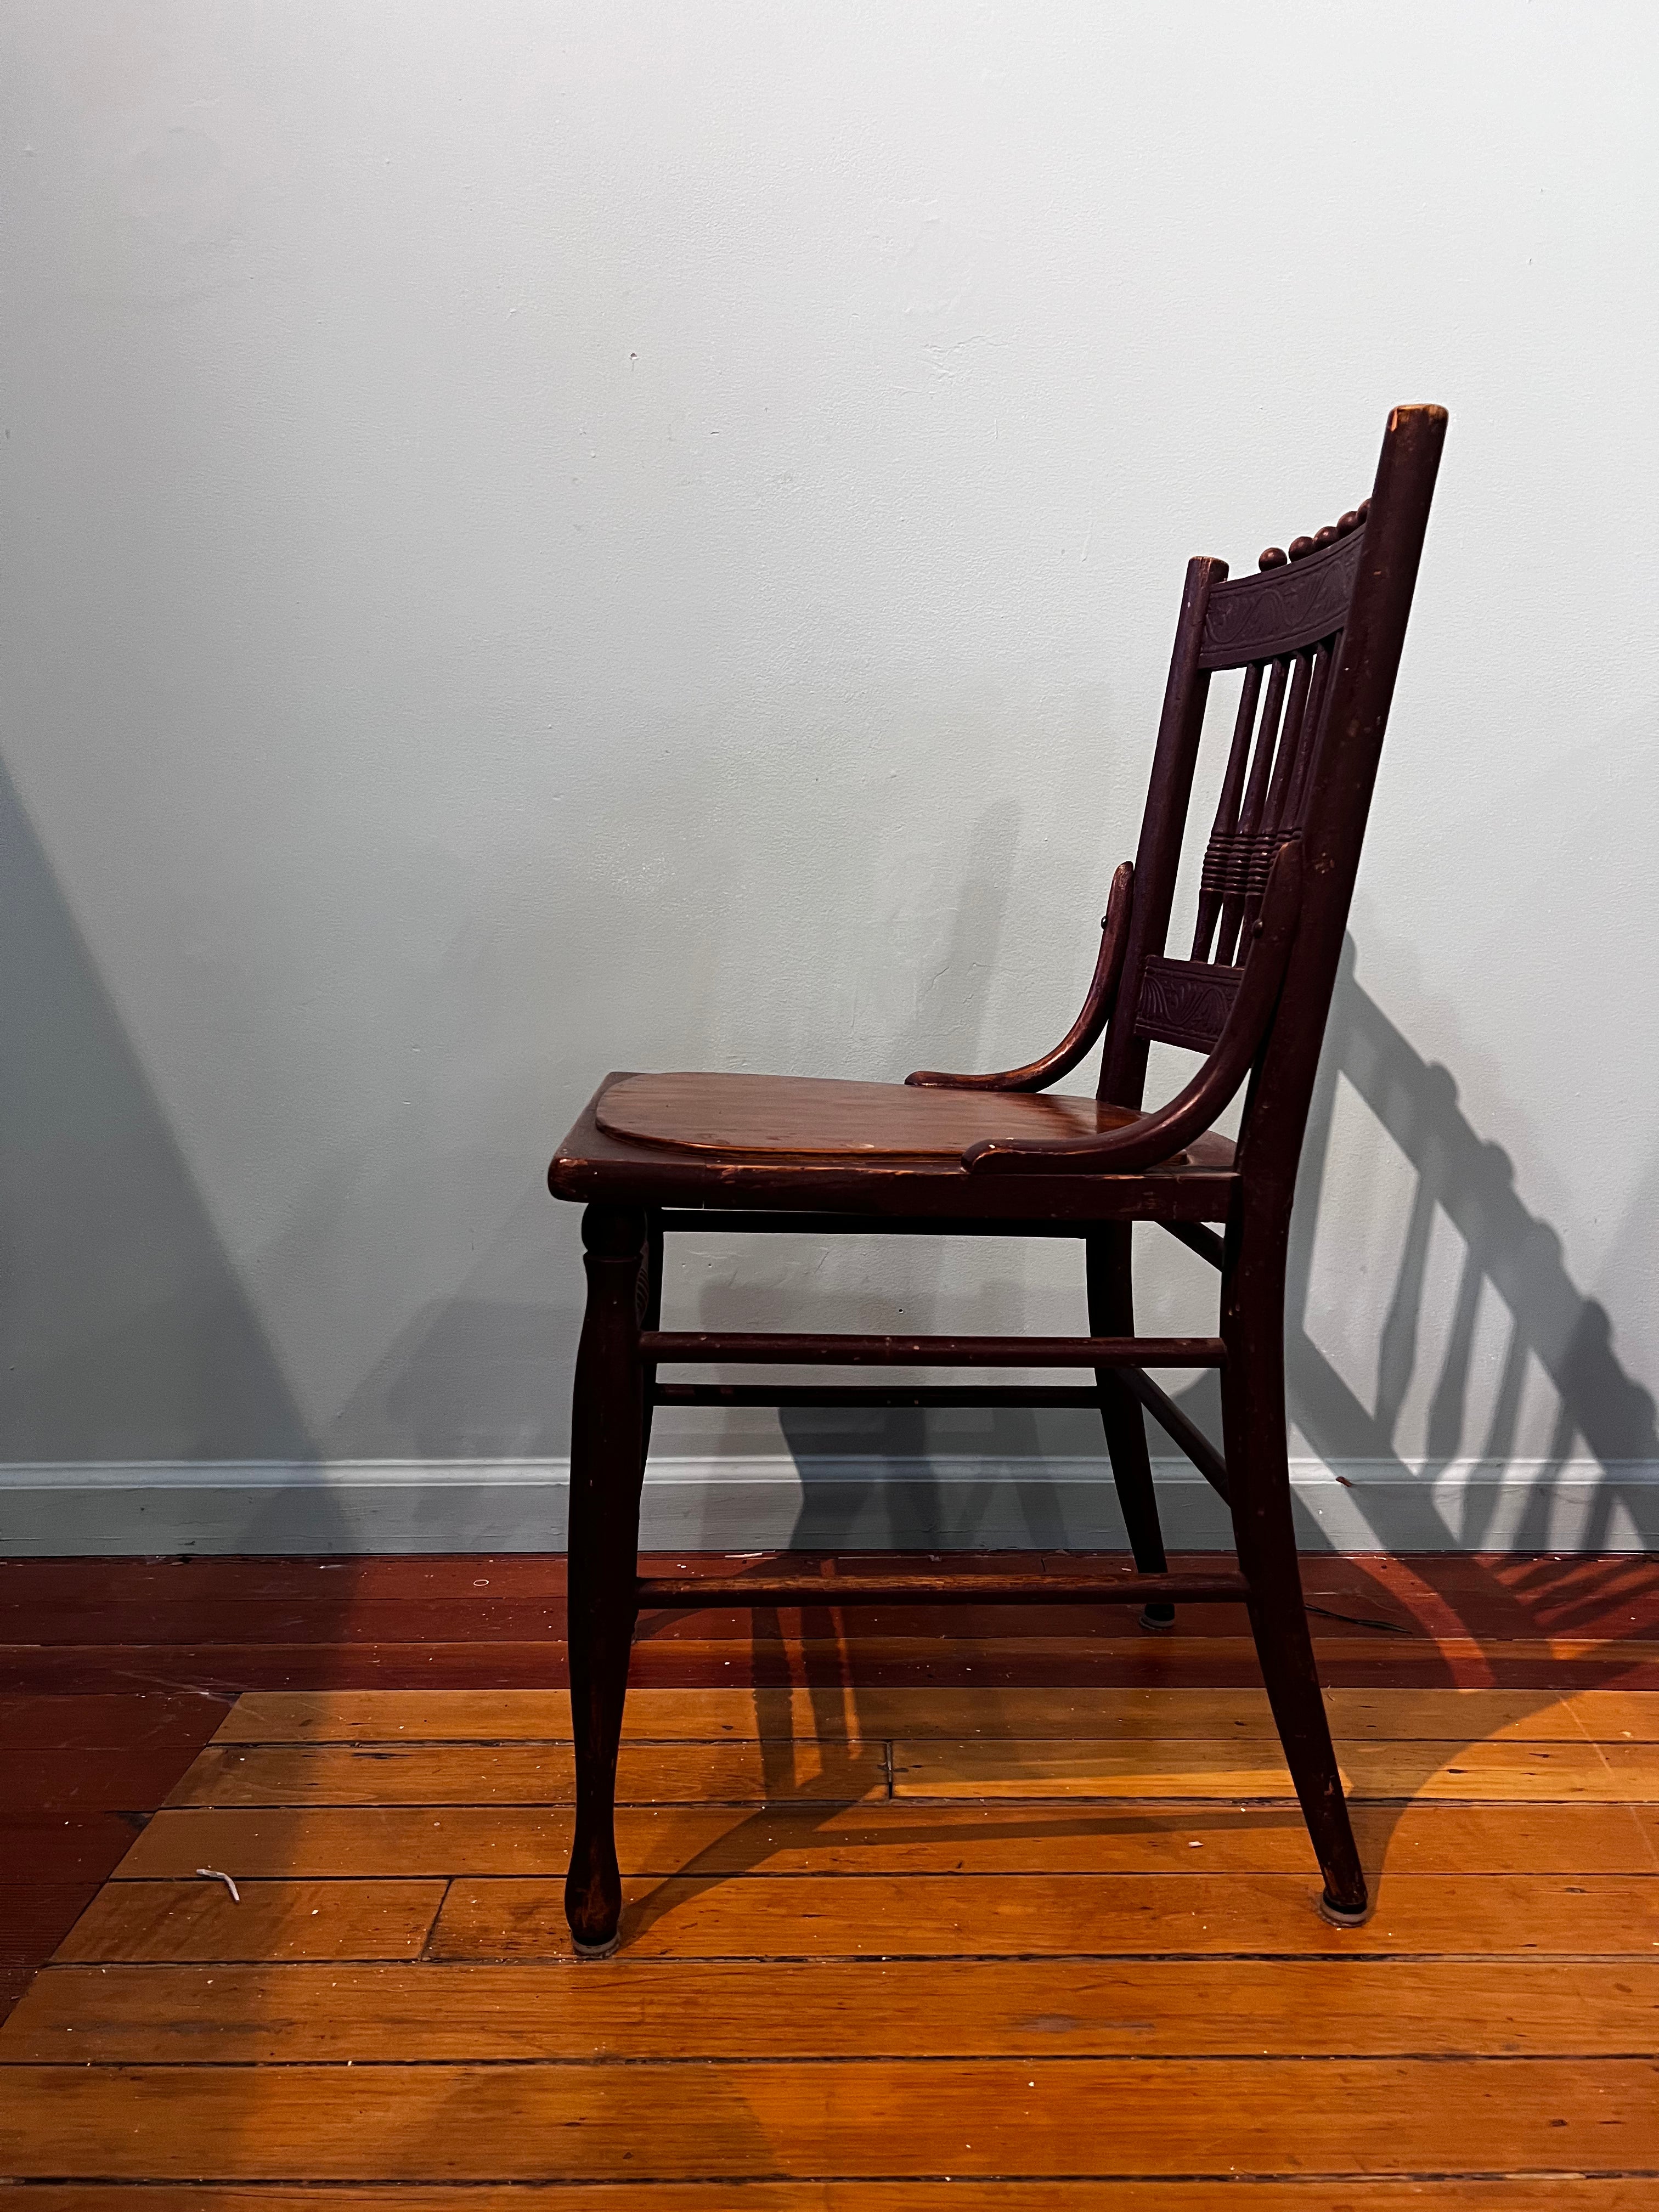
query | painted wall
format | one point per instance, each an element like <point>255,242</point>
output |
<point>547,537</point>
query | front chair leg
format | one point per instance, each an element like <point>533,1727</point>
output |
<point>607,1454</point>
<point>648,1304</point>
<point>1264,1530</point>
<point>1112,1313</point>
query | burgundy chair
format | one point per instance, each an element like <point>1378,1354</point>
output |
<point>1315,638</point>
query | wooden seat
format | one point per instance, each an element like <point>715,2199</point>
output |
<point>710,1159</point>
<point>805,1116</point>
<point>1312,640</point>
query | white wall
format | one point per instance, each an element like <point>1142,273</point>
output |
<point>543,538</point>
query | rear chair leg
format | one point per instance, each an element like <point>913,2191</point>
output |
<point>1264,1530</point>
<point>607,1464</point>
<point>1112,1313</point>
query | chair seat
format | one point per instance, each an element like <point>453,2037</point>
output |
<point>680,1140</point>
<point>811,1117</point>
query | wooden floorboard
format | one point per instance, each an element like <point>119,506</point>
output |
<point>1504,1771</point>
<point>779,1770</point>
<point>1120,1835</point>
<point>681,2008</point>
<point>1495,1596</point>
<point>858,2118</point>
<point>201,1919</point>
<point>80,1778</point>
<point>848,1654</point>
<point>34,1915</point>
<point>74,1847</point>
<point>853,1714</point>
<point>529,1774</point>
<point>130,1723</point>
<point>1030,1915</point>
<point>1550,2192</point>
<point>1017,1898</point>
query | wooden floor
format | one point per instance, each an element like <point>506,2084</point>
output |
<point>924,1910</point>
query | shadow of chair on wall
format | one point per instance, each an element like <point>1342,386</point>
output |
<point>1505,1250</point>
<point>1525,1597</point>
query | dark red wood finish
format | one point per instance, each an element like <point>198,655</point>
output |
<point>1316,637</point>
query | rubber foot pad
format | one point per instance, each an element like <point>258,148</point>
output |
<point>1339,1918</point>
<point>595,1950</point>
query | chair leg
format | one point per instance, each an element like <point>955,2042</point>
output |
<point>1112,1313</point>
<point>607,1464</point>
<point>1264,1529</point>
<point>647,1301</point>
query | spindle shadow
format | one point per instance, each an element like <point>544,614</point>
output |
<point>1507,1251</point>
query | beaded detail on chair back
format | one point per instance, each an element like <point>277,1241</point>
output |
<point>1283,628</point>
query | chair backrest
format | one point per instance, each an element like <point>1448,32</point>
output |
<point>1316,635</point>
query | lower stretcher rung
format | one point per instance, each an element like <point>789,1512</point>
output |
<point>691,1592</point>
<point>742,1346</point>
<point>873,1393</point>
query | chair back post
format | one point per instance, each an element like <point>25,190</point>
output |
<point>1276,1111</point>
<point>1162,827</point>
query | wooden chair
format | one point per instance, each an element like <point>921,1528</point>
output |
<point>1317,636</point>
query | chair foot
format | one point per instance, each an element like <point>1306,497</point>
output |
<point>1158,1618</point>
<point>595,1950</point>
<point>592,1902</point>
<point>1342,1916</point>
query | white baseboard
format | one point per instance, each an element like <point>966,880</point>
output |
<point>938,1503</point>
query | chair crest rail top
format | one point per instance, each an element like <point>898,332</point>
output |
<point>1307,648</point>
<point>1283,609</point>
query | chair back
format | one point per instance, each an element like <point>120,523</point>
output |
<point>1315,638</point>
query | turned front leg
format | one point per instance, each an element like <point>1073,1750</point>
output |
<point>607,1450</point>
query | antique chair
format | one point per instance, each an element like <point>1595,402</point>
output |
<point>1317,636</point>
